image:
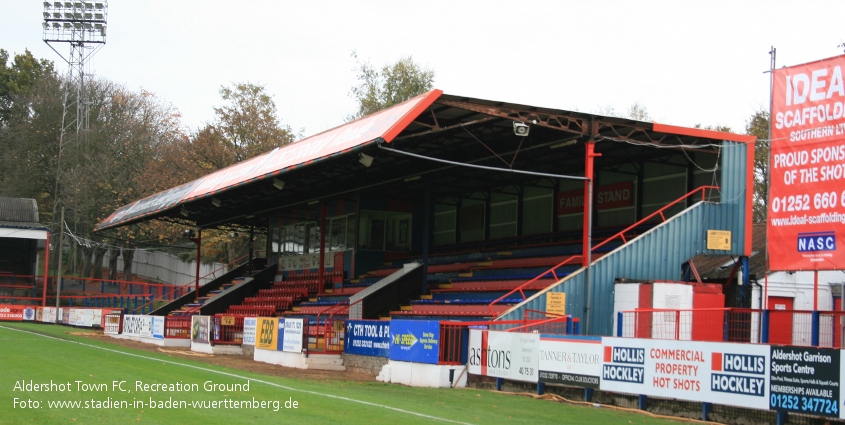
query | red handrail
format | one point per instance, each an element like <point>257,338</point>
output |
<point>620,235</point>
<point>333,309</point>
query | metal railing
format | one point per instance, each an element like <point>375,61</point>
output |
<point>228,330</point>
<point>177,327</point>
<point>454,336</point>
<point>743,325</point>
<point>620,235</point>
<point>333,332</point>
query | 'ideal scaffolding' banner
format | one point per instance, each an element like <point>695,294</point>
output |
<point>806,209</point>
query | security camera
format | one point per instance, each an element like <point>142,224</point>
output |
<point>520,128</point>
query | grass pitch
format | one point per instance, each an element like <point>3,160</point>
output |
<point>50,376</point>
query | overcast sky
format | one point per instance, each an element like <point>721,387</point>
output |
<point>686,62</point>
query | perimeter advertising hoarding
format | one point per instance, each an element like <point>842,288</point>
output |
<point>367,338</point>
<point>10,312</point>
<point>250,324</point>
<point>138,325</point>
<point>805,380</point>
<point>722,373</point>
<point>158,327</point>
<point>415,341</point>
<point>509,355</point>
<point>806,210</point>
<point>200,329</point>
<point>290,335</point>
<point>48,315</point>
<point>266,333</point>
<point>571,360</point>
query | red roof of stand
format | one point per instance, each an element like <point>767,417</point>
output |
<point>383,125</point>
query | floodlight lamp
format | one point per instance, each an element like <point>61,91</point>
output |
<point>520,128</point>
<point>184,212</point>
<point>216,202</point>
<point>278,184</point>
<point>365,159</point>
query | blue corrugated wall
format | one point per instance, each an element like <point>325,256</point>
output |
<point>659,253</point>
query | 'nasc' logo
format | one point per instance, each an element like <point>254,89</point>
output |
<point>817,241</point>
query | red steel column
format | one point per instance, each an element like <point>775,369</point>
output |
<point>588,202</point>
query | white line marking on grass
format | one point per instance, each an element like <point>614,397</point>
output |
<point>272,384</point>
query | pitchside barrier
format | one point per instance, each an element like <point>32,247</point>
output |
<point>794,379</point>
<point>788,327</point>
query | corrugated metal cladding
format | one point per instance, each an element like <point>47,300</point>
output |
<point>657,254</point>
<point>19,210</point>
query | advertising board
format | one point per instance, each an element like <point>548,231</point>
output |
<point>367,338</point>
<point>249,330</point>
<point>157,327</point>
<point>415,341</point>
<point>290,335</point>
<point>806,208</point>
<point>570,360</point>
<point>510,355</point>
<point>200,329</point>
<point>723,373</point>
<point>138,325</point>
<point>266,329</point>
<point>11,312</point>
<point>805,380</point>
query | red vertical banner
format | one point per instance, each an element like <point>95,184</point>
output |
<point>806,211</point>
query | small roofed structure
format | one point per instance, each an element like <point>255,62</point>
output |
<point>21,236</point>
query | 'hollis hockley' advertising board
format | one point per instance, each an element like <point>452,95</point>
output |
<point>722,373</point>
<point>415,341</point>
<point>367,338</point>
<point>509,355</point>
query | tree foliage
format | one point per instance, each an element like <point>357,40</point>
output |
<point>382,88</point>
<point>101,166</point>
<point>18,78</point>
<point>758,125</point>
<point>246,125</point>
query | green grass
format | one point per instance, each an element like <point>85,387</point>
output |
<point>29,357</point>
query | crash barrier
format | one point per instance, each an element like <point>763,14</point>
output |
<point>788,327</point>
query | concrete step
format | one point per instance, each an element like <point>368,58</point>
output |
<point>324,362</point>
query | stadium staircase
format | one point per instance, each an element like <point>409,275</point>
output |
<point>192,302</point>
<point>656,254</point>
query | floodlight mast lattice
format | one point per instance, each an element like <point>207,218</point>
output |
<point>82,25</point>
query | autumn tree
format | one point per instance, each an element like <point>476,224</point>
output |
<point>244,126</point>
<point>758,125</point>
<point>382,88</point>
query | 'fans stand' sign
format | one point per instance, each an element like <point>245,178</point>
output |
<point>807,171</point>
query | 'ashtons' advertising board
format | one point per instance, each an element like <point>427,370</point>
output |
<point>510,355</point>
